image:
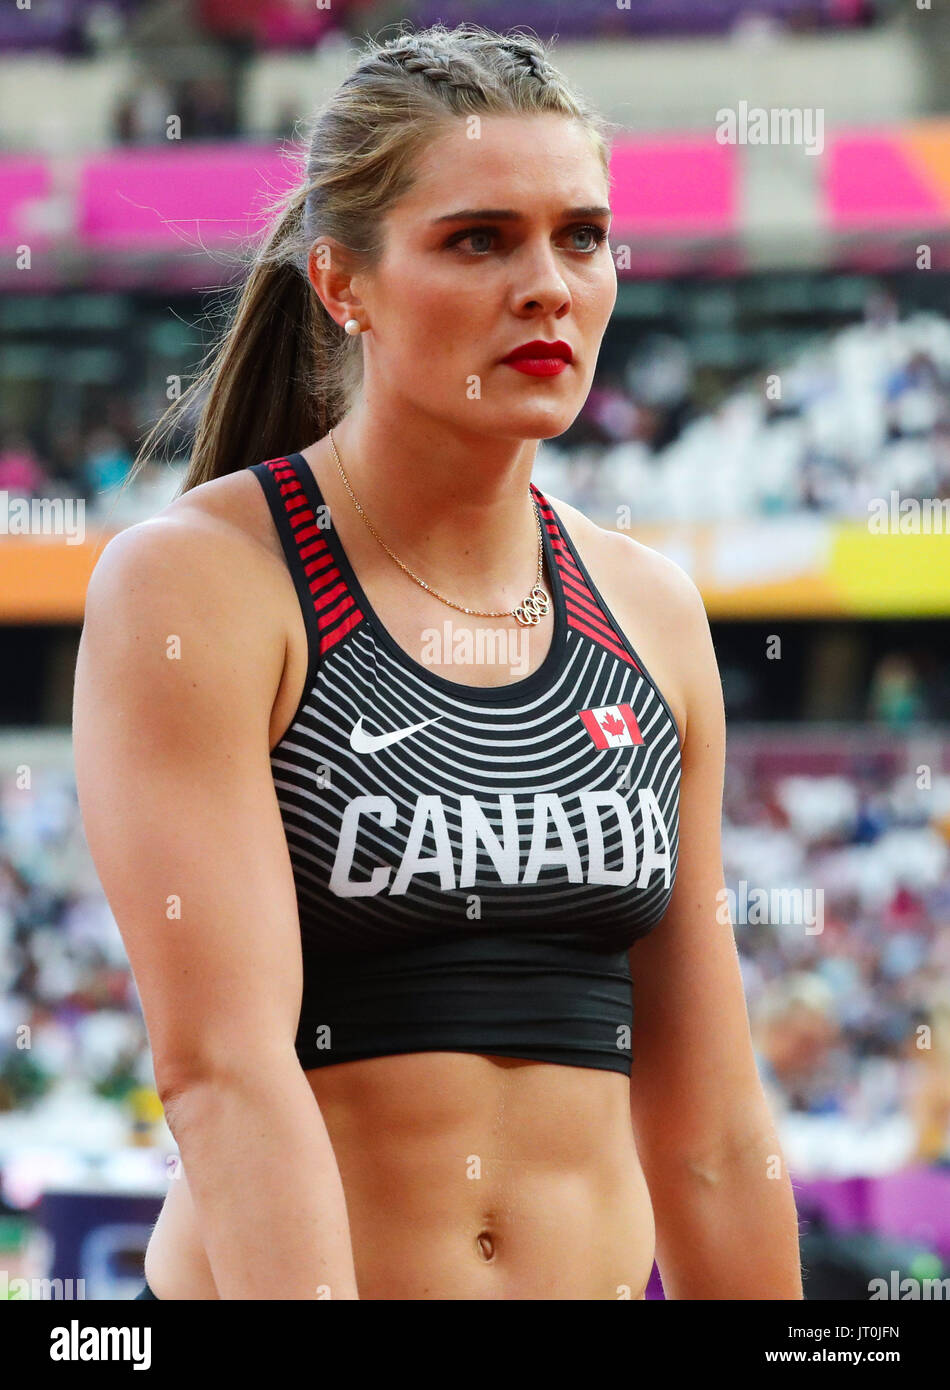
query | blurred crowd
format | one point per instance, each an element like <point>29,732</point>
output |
<point>851,1021</point>
<point>848,991</point>
<point>85,27</point>
<point>74,1047</point>
<point>229,34</point>
<point>862,412</point>
<point>89,463</point>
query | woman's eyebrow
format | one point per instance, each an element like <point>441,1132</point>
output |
<point>509,215</point>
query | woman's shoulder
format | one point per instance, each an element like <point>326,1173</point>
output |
<point>232,507</point>
<point>626,563</point>
<point>215,539</point>
<point>185,630</point>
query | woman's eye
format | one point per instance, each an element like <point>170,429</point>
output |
<point>480,236</point>
<point>596,234</point>
<point>482,239</point>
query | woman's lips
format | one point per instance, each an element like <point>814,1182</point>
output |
<point>538,366</point>
<point>541,357</point>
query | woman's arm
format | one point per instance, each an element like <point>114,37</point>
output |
<point>726,1222</point>
<point>178,667</point>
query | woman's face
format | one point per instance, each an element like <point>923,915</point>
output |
<point>452,296</point>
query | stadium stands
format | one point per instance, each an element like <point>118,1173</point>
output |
<point>778,361</point>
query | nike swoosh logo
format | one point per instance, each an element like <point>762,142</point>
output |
<point>362,742</point>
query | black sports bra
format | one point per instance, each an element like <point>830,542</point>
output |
<point>472,863</point>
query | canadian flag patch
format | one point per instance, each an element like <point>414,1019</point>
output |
<point>612,726</point>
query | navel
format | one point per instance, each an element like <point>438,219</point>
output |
<point>485,1245</point>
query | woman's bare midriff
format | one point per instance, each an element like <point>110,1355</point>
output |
<point>466,1177</point>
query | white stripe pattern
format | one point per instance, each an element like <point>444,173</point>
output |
<point>484,751</point>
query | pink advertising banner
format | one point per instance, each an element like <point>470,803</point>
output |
<point>207,195</point>
<point>216,195</point>
<point>669,191</point>
<point>24,191</point>
<point>674,186</point>
<point>888,179</point>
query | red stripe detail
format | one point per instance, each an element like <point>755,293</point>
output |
<point>563,552</point>
<point>567,566</point>
<point>608,646</point>
<point>330,639</point>
<point>582,596</point>
<point>574,577</point>
<point>324,576</point>
<point>612,643</point>
<point>328,595</point>
<point>596,637</point>
<point>325,582</point>
<point>584,613</point>
<point>544,506</point>
<point>324,568</point>
<point>594,621</point>
<point>328,618</point>
<point>317,547</point>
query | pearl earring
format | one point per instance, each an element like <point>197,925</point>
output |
<point>352,327</point>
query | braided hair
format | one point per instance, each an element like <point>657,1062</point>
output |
<point>531,55</point>
<point>284,370</point>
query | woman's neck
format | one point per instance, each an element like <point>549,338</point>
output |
<point>456,508</point>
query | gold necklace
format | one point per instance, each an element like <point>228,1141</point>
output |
<point>531,609</point>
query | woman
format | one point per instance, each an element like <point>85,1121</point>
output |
<point>385,759</point>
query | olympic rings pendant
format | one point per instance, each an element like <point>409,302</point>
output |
<point>535,606</point>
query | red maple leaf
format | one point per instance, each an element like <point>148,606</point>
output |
<point>612,725</point>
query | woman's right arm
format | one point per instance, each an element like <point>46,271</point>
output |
<point>179,663</point>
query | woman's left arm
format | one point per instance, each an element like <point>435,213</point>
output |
<point>725,1213</point>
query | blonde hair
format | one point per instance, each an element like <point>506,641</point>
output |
<point>285,372</point>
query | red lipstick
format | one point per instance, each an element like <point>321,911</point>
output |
<point>539,358</point>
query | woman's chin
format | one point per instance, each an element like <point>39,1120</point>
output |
<point>535,421</point>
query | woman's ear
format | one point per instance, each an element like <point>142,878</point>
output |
<point>331,269</point>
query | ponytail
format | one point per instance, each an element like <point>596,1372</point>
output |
<point>274,382</point>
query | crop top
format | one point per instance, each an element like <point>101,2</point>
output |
<point>471,863</point>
